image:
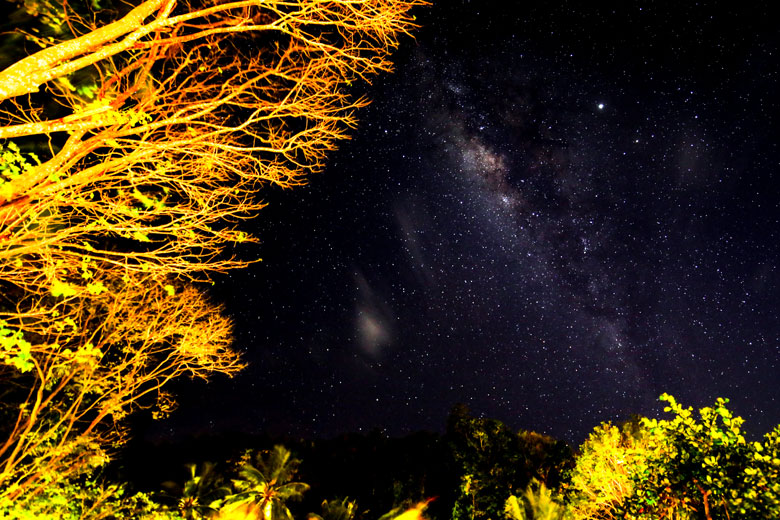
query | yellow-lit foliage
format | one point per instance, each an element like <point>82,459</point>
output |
<point>89,362</point>
<point>134,191</point>
<point>601,479</point>
<point>537,503</point>
<point>416,512</point>
<point>239,512</point>
<point>183,128</point>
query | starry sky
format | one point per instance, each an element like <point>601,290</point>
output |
<point>552,213</point>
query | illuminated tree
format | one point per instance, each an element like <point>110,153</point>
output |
<point>88,363</point>
<point>268,484</point>
<point>677,469</point>
<point>601,480</point>
<point>202,494</point>
<point>537,503</point>
<point>182,128</point>
<point>705,468</point>
<point>131,149</point>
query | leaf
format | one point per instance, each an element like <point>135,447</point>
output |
<point>66,83</point>
<point>143,199</point>
<point>60,288</point>
<point>70,321</point>
<point>513,509</point>
<point>141,237</point>
<point>96,288</point>
<point>23,360</point>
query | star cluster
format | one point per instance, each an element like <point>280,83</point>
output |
<point>550,213</point>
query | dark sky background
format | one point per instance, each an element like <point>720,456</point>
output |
<point>551,212</point>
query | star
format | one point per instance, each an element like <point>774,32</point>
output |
<point>485,239</point>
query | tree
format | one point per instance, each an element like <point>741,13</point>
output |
<point>546,459</point>
<point>705,468</point>
<point>140,138</point>
<point>678,468</point>
<point>762,479</point>
<point>537,503</point>
<point>87,368</point>
<point>268,484</point>
<point>201,495</point>
<point>487,459</point>
<point>88,499</point>
<point>601,479</point>
<point>494,462</point>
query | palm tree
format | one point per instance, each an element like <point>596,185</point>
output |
<point>268,484</point>
<point>201,495</point>
<point>537,503</point>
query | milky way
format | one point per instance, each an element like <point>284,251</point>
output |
<point>553,215</point>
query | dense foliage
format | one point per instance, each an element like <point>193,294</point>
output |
<point>494,462</point>
<point>601,481</point>
<point>681,468</point>
<point>685,467</point>
<point>133,140</point>
<point>704,466</point>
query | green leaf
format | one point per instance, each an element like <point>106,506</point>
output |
<point>96,288</point>
<point>60,288</point>
<point>141,237</point>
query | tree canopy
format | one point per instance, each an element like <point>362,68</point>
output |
<point>133,141</point>
<point>681,467</point>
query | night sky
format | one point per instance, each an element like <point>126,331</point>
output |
<point>552,213</point>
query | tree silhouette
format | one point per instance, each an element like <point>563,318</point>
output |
<point>493,462</point>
